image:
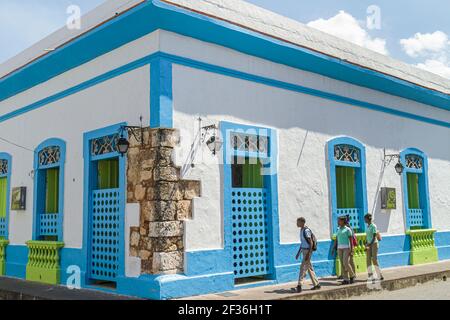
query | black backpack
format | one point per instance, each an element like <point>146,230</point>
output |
<point>313,238</point>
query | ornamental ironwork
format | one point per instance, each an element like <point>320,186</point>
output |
<point>3,166</point>
<point>104,145</point>
<point>49,155</point>
<point>414,161</point>
<point>250,142</point>
<point>345,152</point>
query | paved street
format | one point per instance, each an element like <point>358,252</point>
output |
<point>436,290</point>
<point>395,279</point>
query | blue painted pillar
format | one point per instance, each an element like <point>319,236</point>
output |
<point>161,105</point>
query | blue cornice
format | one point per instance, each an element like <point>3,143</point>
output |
<point>155,14</point>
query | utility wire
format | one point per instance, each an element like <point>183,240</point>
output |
<point>15,144</point>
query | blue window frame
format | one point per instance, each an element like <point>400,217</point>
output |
<point>347,165</point>
<point>48,210</point>
<point>416,197</point>
<point>5,178</point>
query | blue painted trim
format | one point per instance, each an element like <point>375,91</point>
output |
<point>152,15</point>
<point>39,186</point>
<point>208,274</point>
<point>110,35</point>
<point>89,182</point>
<point>161,104</point>
<point>344,101</point>
<point>205,28</point>
<point>80,87</point>
<point>7,157</point>
<point>424,194</point>
<point>361,184</point>
<point>270,163</point>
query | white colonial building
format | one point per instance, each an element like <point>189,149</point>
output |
<point>249,120</point>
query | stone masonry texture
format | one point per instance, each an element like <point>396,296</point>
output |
<point>165,200</point>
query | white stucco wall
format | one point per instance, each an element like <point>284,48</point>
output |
<point>121,99</point>
<point>304,124</point>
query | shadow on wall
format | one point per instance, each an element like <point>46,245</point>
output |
<point>202,93</point>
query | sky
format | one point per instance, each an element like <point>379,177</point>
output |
<point>414,31</point>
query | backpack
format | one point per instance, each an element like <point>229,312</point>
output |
<point>313,238</point>
<point>354,239</point>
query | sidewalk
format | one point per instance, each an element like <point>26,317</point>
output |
<point>395,279</point>
<point>17,289</point>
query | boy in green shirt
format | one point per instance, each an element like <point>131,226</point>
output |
<point>372,247</point>
<point>344,247</point>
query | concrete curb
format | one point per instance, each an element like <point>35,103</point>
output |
<point>18,289</point>
<point>361,288</point>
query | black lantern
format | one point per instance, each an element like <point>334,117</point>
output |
<point>399,167</point>
<point>388,158</point>
<point>123,145</point>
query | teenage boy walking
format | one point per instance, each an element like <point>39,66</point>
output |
<point>344,247</point>
<point>372,246</point>
<point>306,249</point>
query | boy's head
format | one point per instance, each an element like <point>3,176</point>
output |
<point>342,221</point>
<point>368,218</point>
<point>301,222</point>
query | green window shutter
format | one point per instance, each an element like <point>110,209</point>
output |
<point>252,177</point>
<point>345,187</point>
<point>108,174</point>
<point>248,174</point>
<point>52,190</point>
<point>413,190</point>
<point>3,199</point>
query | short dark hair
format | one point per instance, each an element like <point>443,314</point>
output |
<point>301,219</point>
<point>368,217</point>
<point>343,218</point>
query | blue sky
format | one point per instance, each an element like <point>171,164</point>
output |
<point>415,31</point>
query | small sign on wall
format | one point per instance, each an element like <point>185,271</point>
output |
<point>19,199</point>
<point>388,198</point>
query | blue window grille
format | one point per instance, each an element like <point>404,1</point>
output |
<point>49,155</point>
<point>350,153</point>
<point>416,163</point>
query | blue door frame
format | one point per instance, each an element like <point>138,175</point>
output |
<point>270,164</point>
<point>89,185</point>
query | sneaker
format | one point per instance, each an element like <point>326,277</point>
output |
<point>352,280</point>
<point>316,287</point>
<point>345,282</point>
<point>298,289</point>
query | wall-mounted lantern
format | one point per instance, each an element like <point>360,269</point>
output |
<point>214,143</point>
<point>399,166</point>
<point>123,145</point>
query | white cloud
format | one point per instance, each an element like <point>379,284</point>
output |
<point>425,43</point>
<point>433,48</point>
<point>440,67</point>
<point>345,26</point>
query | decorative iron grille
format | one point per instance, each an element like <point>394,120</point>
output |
<point>104,145</point>
<point>414,161</point>
<point>3,167</point>
<point>250,142</point>
<point>347,153</point>
<point>49,156</point>
<point>250,235</point>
